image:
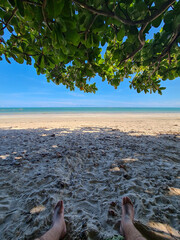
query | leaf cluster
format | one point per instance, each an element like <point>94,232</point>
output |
<point>64,40</point>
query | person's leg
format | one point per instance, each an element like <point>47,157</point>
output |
<point>127,227</point>
<point>58,229</point>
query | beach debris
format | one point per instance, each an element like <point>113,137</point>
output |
<point>165,229</point>
<point>115,169</point>
<point>59,155</point>
<point>123,167</point>
<point>126,176</point>
<point>37,209</point>
<point>113,204</point>
<point>44,154</point>
<point>112,213</point>
<point>174,191</point>
<point>52,135</point>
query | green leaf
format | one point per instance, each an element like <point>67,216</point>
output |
<point>73,37</point>
<point>177,21</point>
<point>12,2</point>
<point>54,8</point>
<point>157,22</point>
<point>50,8</point>
<point>7,59</point>
<point>66,12</point>
<point>58,7</point>
<point>169,17</point>
<point>121,34</point>
<point>42,64</point>
<point>20,6</point>
<point>19,60</point>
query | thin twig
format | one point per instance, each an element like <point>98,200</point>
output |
<point>164,53</point>
<point>131,55</point>
<point>33,3</point>
<point>103,13</point>
<point>90,25</point>
<point>142,43</point>
<point>156,69</point>
<point>141,37</point>
<point>8,21</point>
<point>111,14</point>
<point>44,14</point>
<point>158,13</point>
<point>169,57</point>
<point>169,46</point>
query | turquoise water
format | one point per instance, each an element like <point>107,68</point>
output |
<point>46,110</point>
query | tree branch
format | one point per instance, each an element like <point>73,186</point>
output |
<point>142,43</point>
<point>111,14</point>
<point>165,52</point>
<point>131,55</point>
<point>105,14</point>
<point>155,69</point>
<point>169,57</point>
<point>8,21</point>
<point>140,35</point>
<point>158,13</point>
<point>128,21</point>
<point>44,14</point>
<point>90,25</point>
<point>169,46</point>
<point>32,3</point>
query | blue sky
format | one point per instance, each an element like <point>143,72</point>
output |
<point>20,86</point>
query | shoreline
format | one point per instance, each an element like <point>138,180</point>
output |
<point>121,121</point>
<point>108,114</point>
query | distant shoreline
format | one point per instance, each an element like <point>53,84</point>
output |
<point>86,110</point>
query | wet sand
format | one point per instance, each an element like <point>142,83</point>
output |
<point>90,161</point>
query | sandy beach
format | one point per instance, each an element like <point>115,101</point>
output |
<point>90,161</point>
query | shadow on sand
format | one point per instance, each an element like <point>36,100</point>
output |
<point>91,169</point>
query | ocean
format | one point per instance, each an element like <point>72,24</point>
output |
<point>46,110</point>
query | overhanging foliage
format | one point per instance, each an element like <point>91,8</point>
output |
<point>65,39</point>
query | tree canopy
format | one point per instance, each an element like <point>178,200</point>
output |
<point>65,38</point>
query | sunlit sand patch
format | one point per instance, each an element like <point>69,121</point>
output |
<point>37,209</point>
<point>148,191</point>
<point>174,191</point>
<point>43,135</point>
<point>17,158</point>
<point>90,131</point>
<point>65,132</point>
<point>54,146</point>
<point>164,228</point>
<point>4,156</point>
<point>129,159</point>
<point>115,169</point>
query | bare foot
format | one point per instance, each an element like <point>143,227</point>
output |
<point>127,214</point>
<point>58,219</point>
